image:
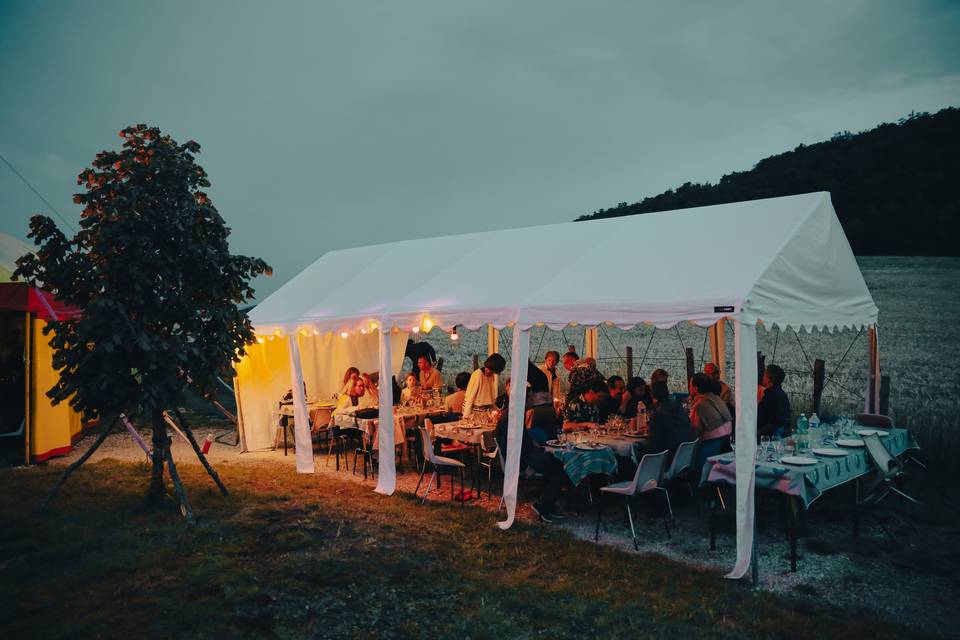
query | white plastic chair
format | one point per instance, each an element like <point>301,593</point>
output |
<point>682,460</point>
<point>437,462</point>
<point>647,479</point>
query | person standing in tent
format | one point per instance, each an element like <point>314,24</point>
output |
<point>484,384</point>
<point>429,376</point>
<point>549,368</point>
<point>417,349</point>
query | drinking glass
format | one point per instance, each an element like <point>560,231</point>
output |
<point>764,445</point>
<point>778,445</point>
<point>733,445</point>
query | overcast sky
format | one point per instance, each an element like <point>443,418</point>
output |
<point>332,125</point>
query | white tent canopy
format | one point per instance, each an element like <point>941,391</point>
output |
<point>781,261</point>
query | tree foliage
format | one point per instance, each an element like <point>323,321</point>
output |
<point>894,187</point>
<point>152,271</point>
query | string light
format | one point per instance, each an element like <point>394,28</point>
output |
<point>427,324</point>
<point>415,329</point>
<point>373,326</point>
<point>344,334</point>
<point>453,335</point>
<point>260,340</point>
<point>316,332</point>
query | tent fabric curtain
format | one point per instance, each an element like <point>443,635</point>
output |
<point>519,358</point>
<point>303,443</point>
<point>53,428</point>
<point>387,480</point>
<point>745,344</point>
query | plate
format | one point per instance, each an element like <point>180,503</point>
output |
<point>586,446</point>
<point>838,453</point>
<point>797,460</point>
<point>870,432</point>
<point>553,443</point>
<point>634,435</point>
<point>850,442</point>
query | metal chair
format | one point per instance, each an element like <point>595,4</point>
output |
<point>489,455</point>
<point>889,472</point>
<point>437,462</point>
<point>880,421</point>
<point>647,479</point>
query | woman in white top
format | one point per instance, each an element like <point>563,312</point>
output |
<point>484,384</point>
<point>355,398</point>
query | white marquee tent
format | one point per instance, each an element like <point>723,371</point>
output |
<point>780,261</point>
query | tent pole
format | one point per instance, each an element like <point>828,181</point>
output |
<point>302,442</point>
<point>745,349</point>
<point>519,357</point>
<point>28,383</point>
<point>493,340</point>
<point>873,371</point>
<point>387,478</point>
<point>590,342</point>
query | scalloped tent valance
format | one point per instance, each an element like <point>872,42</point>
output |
<point>783,261</point>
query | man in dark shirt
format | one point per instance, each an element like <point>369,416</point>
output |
<point>669,423</point>
<point>773,412</point>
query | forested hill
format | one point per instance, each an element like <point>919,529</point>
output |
<point>896,188</point>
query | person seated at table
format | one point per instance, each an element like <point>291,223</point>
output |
<point>580,376</point>
<point>484,384</point>
<point>453,403</point>
<point>713,371</point>
<point>669,423</point>
<point>429,376</point>
<point>583,412</point>
<point>411,384</point>
<point>709,415</point>
<point>349,376</point>
<point>371,385</point>
<point>636,391</point>
<point>555,479</point>
<point>612,404</point>
<point>549,368</point>
<point>659,375</point>
<point>354,399</point>
<point>773,412</point>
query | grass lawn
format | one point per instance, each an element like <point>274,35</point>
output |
<point>288,556</point>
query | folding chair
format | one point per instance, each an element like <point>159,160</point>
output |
<point>647,479</point>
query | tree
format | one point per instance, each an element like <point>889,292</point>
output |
<point>159,289</point>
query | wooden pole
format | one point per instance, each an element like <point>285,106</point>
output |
<point>493,340</point>
<point>761,365</point>
<point>713,334</point>
<point>28,383</point>
<point>590,342</point>
<point>689,353</point>
<point>819,373</point>
<point>885,395</point>
<point>629,362</point>
<point>476,362</point>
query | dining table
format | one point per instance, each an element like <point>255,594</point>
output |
<point>823,468</point>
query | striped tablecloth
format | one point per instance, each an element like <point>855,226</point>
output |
<point>807,482</point>
<point>578,464</point>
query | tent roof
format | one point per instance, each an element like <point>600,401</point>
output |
<point>19,296</point>
<point>784,261</point>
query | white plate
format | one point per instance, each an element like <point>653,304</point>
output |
<point>870,432</point>
<point>839,453</point>
<point>797,460</point>
<point>634,435</point>
<point>553,443</point>
<point>586,446</point>
<point>850,442</point>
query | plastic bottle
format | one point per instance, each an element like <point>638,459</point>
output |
<point>802,424</point>
<point>814,421</point>
<point>641,416</point>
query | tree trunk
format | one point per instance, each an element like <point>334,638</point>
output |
<point>161,442</point>
<point>199,452</point>
<point>107,428</point>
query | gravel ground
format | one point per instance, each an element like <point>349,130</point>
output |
<point>920,572</point>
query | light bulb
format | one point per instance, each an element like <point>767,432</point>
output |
<point>344,334</point>
<point>427,324</point>
<point>415,329</point>
<point>260,340</point>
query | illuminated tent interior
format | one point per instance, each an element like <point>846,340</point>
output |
<point>781,261</point>
<point>26,364</point>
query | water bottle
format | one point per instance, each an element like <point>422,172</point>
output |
<point>641,416</point>
<point>802,424</point>
<point>814,422</point>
